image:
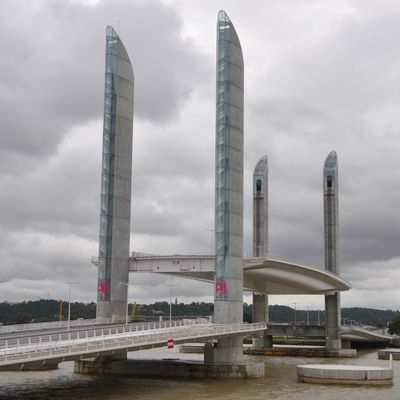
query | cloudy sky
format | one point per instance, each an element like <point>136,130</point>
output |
<point>319,76</point>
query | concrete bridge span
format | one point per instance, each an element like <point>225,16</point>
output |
<point>35,350</point>
<point>347,333</point>
<point>358,334</point>
<point>269,275</point>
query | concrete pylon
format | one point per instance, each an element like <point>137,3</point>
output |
<point>260,244</point>
<point>331,227</point>
<point>116,176</point>
<point>228,290</point>
<point>260,208</point>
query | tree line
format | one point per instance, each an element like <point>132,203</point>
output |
<point>49,310</point>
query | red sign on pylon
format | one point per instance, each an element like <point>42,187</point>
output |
<point>170,343</point>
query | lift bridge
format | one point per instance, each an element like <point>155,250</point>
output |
<point>41,344</point>
<point>51,345</point>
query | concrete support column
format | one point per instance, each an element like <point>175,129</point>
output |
<point>116,177</point>
<point>260,244</point>
<point>331,228</point>
<point>260,208</point>
<point>260,314</point>
<point>228,289</point>
<point>332,321</point>
<point>346,344</point>
<point>225,351</point>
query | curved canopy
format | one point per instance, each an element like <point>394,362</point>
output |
<point>269,275</point>
<point>357,334</point>
<point>281,277</point>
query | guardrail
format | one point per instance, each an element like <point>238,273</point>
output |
<point>39,348</point>
<point>95,332</point>
<point>50,325</point>
<point>37,326</point>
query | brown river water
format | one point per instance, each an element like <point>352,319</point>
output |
<point>280,383</point>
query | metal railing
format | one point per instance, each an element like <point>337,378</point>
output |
<point>51,325</point>
<point>77,344</point>
<point>93,332</point>
<point>41,326</point>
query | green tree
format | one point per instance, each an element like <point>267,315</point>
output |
<point>394,326</point>
<point>23,318</point>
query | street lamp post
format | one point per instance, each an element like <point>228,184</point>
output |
<point>295,317</point>
<point>127,302</point>
<point>212,240</point>
<point>170,299</point>
<point>70,283</point>
<point>2,280</point>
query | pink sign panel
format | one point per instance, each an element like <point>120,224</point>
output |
<point>102,287</point>
<point>221,287</point>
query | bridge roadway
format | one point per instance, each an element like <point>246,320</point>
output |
<point>15,333</point>
<point>358,334</point>
<point>269,275</point>
<point>43,328</point>
<point>347,333</point>
<point>53,348</point>
<point>21,349</point>
<point>353,333</point>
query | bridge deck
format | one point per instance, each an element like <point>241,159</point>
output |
<point>95,342</point>
<point>272,276</point>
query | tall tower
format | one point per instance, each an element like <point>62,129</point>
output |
<point>116,176</point>
<point>331,227</point>
<point>260,244</point>
<point>260,208</point>
<point>228,295</point>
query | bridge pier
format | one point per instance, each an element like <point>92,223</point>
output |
<point>214,367</point>
<point>332,322</point>
<point>116,177</point>
<point>228,278</point>
<point>260,314</point>
<point>224,351</point>
<point>40,366</point>
<point>331,237</point>
<point>346,344</point>
<point>99,365</point>
<point>168,368</point>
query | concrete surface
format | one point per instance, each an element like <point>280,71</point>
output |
<point>344,374</point>
<point>385,353</point>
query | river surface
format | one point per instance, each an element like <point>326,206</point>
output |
<point>280,383</point>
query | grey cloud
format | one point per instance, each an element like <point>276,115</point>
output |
<point>58,81</point>
<point>336,92</point>
<point>351,69</point>
<point>60,195</point>
<point>308,91</point>
<point>43,262</point>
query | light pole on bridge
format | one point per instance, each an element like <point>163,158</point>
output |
<point>70,283</point>
<point>170,299</point>
<point>127,300</point>
<point>212,240</point>
<point>295,309</point>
